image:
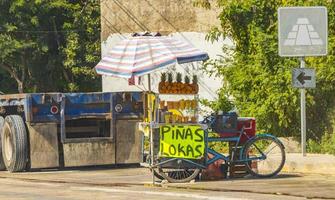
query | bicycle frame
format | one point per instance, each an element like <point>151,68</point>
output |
<point>246,143</point>
<point>236,139</point>
<point>218,156</point>
<point>229,159</point>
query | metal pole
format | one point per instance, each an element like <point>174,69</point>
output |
<point>303,113</point>
<point>149,83</point>
<point>62,119</point>
<point>151,134</point>
<point>152,154</point>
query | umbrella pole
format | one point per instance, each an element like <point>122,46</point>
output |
<point>149,82</point>
<point>151,134</point>
<point>152,154</point>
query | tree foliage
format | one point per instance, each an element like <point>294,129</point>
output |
<point>259,80</point>
<point>49,45</point>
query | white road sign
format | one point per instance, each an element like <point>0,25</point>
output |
<point>302,31</point>
<point>303,78</point>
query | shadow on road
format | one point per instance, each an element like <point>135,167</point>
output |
<point>249,177</point>
<point>88,168</point>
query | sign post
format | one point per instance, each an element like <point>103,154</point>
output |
<point>303,112</point>
<point>303,31</point>
<point>303,78</point>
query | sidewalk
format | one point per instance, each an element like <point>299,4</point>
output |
<point>311,177</point>
<point>286,184</point>
<point>291,185</point>
<point>311,164</point>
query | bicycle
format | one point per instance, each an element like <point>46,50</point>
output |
<point>262,154</point>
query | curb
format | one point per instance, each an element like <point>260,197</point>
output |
<point>311,164</point>
<point>202,188</point>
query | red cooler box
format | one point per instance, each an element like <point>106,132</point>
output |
<point>249,124</point>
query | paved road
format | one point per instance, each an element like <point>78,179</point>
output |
<point>18,189</point>
<point>134,184</point>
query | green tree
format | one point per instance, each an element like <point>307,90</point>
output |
<point>259,80</point>
<point>49,45</point>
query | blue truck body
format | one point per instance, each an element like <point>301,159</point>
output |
<point>81,124</point>
<point>36,106</point>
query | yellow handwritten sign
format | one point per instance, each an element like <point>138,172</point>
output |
<point>180,141</point>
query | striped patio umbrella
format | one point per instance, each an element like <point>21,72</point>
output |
<point>140,55</point>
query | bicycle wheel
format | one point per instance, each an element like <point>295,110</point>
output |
<point>156,172</point>
<point>264,155</point>
<point>180,175</point>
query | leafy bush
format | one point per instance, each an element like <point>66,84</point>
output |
<point>327,145</point>
<point>259,80</point>
<point>221,104</point>
<point>49,46</point>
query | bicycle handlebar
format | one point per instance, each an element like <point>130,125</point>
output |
<point>208,119</point>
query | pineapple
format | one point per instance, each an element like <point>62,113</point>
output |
<point>195,84</point>
<point>179,77</point>
<point>170,77</point>
<point>162,84</point>
<point>163,77</point>
<point>187,80</point>
<point>188,87</point>
<point>179,84</point>
<point>169,83</point>
<point>182,104</point>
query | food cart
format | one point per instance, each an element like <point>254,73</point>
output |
<point>179,148</point>
<point>142,54</point>
<point>178,144</point>
<point>177,141</point>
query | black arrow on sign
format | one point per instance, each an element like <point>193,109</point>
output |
<point>302,78</point>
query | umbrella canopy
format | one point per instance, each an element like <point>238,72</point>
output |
<point>140,55</point>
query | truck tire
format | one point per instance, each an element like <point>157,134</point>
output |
<point>2,164</point>
<point>14,143</point>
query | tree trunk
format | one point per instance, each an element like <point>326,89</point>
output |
<point>13,74</point>
<point>19,86</point>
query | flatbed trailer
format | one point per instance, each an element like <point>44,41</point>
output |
<point>55,130</point>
